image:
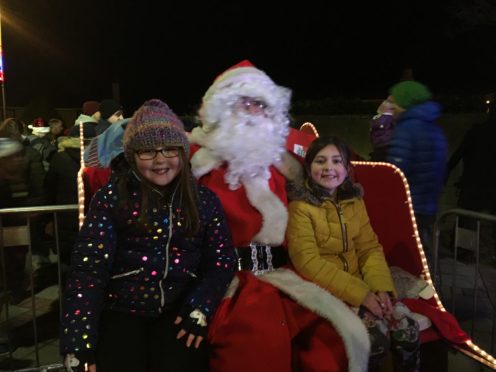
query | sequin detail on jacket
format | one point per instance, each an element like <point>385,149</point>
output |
<point>118,265</point>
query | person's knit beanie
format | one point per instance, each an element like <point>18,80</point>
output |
<point>109,107</point>
<point>152,126</point>
<point>409,93</point>
<point>90,107</point>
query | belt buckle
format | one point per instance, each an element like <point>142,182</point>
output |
<point>259,268</point>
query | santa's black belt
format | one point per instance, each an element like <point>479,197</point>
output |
<point>261,258</point>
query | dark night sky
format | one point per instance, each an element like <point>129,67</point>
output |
<point>70,51</point>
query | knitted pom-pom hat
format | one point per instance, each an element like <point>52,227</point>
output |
<point>154,125</point>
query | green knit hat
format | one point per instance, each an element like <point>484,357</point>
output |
<point>409,93</point>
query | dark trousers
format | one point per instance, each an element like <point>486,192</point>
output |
<point>131,343</point>
<point>398,336</point>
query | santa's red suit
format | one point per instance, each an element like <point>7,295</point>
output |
<point>275,321</point>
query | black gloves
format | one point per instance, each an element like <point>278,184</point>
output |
<point>194,322</point>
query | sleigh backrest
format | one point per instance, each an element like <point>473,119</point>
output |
<point>387,197</point>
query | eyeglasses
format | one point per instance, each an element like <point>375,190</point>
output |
<point>150,154</point>
<point>252,105</point>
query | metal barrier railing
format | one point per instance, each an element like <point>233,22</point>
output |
<point>476,217</point>
<point>28,212</point>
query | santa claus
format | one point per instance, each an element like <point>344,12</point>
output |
<point>273,320</point>
<point>245,123</point>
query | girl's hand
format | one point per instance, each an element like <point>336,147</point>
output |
<point>385,302</point>
<point>197,339</point>
<point>373,303</point>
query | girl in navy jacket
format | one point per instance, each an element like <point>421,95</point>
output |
<point>152,260</point>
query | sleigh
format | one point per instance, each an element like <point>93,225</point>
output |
<point>389,205</point>
<point>388,201</point>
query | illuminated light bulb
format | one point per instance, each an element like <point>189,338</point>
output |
<point>311,126</point>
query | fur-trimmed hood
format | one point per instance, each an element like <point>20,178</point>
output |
<point>314,194</point>
<point>68,143</point>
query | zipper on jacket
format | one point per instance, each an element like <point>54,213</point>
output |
<point>345,263</point>
<point>344,235</point>
<point>169,238</point>
<point>344,232</point>
<point>128,273</point>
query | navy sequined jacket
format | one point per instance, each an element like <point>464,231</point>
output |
<point>121,265</point>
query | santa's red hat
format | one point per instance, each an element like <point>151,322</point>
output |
<point>243,63</point>
<point>38,127</point>
<point>241,79</point>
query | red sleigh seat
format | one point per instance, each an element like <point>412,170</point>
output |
<point>387,197</point>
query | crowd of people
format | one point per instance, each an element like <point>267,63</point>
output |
<point>39,163</point>
<point>197,246</point>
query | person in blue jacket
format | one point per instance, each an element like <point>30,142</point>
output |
<point>420,149</point>
<point>151,262</point>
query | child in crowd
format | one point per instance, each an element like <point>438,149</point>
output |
<point>381,131</point>
<point>152,260</point>
<point>331,242</point>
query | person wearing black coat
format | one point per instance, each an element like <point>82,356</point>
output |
<point>61,188</point>
<point>476,190</point>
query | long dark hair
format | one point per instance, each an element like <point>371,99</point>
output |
<point>319,143</point>
<point>188,193</point>
<point>182,189</point>
<point>347,187</point>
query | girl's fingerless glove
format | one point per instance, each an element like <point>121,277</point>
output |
<point>195,322</point>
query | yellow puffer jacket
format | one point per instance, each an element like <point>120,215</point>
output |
<point>334,246</point>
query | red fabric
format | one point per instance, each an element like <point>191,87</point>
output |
<point>298,142</point>
<point>444,322</point>
<point>93,179</point>
<point>243,63</point>
<point>243,219</point>
<point>428,335</point>
<point>275,334</point>
<point>385,198</point>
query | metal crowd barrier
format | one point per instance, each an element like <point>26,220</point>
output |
<point>470,240</point>
<point>20,236</point>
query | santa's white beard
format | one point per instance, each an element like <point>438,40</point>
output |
<point>249,144</point>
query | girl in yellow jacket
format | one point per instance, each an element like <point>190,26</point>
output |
<point>331,243</point>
